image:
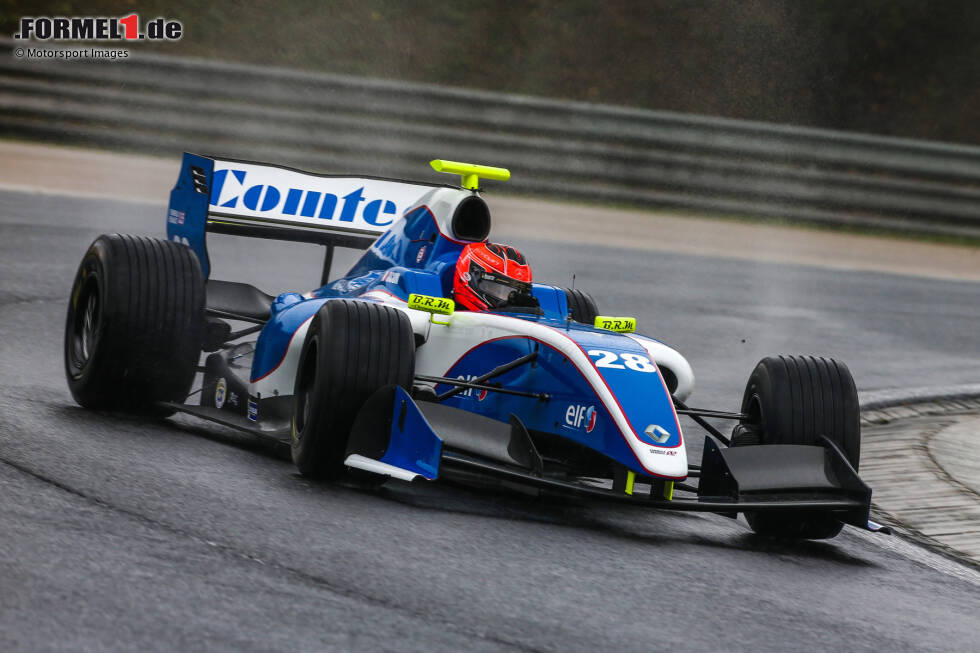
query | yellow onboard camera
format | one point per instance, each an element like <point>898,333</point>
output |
<point>433,305</point>
<point>618,324</point>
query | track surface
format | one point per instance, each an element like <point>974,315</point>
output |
<point>116,534</point>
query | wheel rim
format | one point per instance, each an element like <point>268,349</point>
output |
<point>758,419</point>
<point>85,327</point>
<point>88,325</point>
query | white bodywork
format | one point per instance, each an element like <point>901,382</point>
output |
<point>664,356</point>
<point>442,203</point>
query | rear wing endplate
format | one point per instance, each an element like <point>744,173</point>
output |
<point>261,200</point>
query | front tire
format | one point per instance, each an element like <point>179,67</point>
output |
<point>581,306</point>
<point>134,325</point>
<point>795,400</point>
<point>352,349</point>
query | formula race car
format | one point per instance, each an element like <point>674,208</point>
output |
<point>437,356</point>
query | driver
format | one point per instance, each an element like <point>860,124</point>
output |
<point>490,276</point>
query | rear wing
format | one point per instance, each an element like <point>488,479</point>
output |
<point>262,200</point>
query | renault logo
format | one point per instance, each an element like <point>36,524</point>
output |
<point>657,433</point>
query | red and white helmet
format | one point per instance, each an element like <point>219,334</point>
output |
<point>489,276</point>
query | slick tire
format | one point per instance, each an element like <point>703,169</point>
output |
<point>581,306</point>
<point>135,324</point>
<point>352,349</point>
<point>795,400</point>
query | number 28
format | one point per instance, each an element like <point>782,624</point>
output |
<point>634,362</point>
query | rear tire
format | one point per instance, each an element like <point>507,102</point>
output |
<point>352,349</point>
<point>795,400</point>
<point>135,324</point>
<point>581,306</point>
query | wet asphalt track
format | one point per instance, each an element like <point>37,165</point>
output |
<point>116,534</point>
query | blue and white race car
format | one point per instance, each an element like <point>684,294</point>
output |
<point>437,356</point>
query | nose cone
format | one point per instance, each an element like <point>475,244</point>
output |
<point>661,461</point>
<point>635,396</point>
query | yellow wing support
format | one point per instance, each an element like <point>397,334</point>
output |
<point>470,173</point>
<point>668,486</point>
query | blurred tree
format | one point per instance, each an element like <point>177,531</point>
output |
<point>900,67</point>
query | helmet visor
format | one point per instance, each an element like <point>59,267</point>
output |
<point>496,289</point>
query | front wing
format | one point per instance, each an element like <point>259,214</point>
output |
<point>395,436</point>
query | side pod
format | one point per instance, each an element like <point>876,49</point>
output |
<point>391,437</point>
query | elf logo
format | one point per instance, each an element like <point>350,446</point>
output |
<point>472,392</point>
<point>578,416</point>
